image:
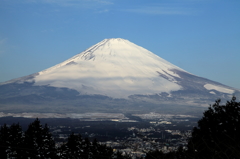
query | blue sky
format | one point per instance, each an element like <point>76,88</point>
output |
<point>200,36</point>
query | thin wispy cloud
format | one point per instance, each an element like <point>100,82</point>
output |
<point>103,11</point>
<point>162,10</point>
<point>74,3</point>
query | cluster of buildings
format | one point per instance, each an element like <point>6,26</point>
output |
<point>141,141</point>
<point>159,135</point>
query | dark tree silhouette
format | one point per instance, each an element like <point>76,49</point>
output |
<point>39,142</point>
<point>4,141</point>
<point>86,152</point>
<point>103,152</point>
<point>218,133</point>
<point>11,141</point>
<point>73,147</point>
<point>76,147</point>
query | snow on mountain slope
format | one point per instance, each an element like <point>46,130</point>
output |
<point>114,75</point>
<point>113,67</point>
<point>218,88</point>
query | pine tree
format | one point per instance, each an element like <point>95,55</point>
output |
<point>76,147</point>
<point>104,152</point>
<point>4,141</point>
<point>100,151</point>
<point>94,148</point>
<point>39,142</point>
<point>73,148</point>
<point>16,140</point>
<point>218,133</point>
<point>86,149</point>
<point>11,141</point>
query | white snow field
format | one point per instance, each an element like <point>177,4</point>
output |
<point>113,67</point>
<point>219,88</point>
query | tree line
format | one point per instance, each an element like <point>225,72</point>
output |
<point>37,143</point>
<point>217,136</point>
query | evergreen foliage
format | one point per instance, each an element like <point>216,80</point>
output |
<point>11,141</point>
<point>216,137</point>
<point>76,147</point>
<point>37,143</point>
<point>218,133</point>
<point>73,147</point>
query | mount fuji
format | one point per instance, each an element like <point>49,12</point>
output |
<point>115,75</point>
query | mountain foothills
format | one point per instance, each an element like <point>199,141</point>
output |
<point>115,75</point>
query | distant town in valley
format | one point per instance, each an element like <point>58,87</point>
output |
<point>132,134</point>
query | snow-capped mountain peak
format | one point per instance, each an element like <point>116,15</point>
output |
<point>113,75</point>
<point>116,67</point>
<point>116,48</point>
